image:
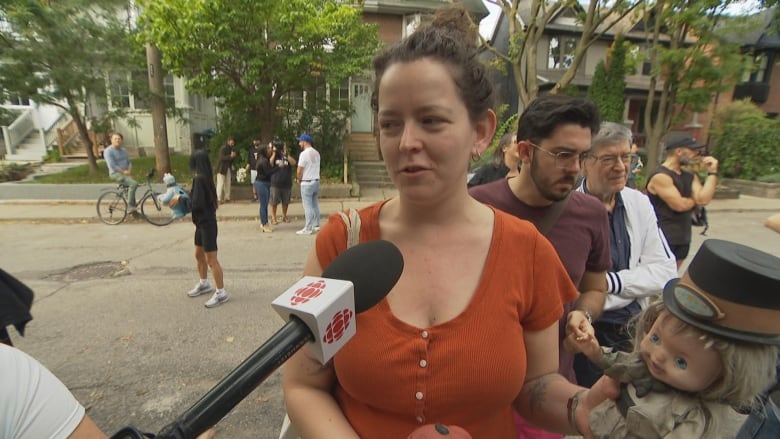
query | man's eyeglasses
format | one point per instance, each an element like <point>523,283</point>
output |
<point>610,160</point>
<point>563,159</point>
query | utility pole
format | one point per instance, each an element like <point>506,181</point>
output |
<point>157,89</point>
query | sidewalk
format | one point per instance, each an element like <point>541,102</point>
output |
<point>81,210</point>
<point>76,203</point>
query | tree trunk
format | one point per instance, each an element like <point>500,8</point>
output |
<point>84,134</point>
<point>159,122</point>
<point>73,110</point>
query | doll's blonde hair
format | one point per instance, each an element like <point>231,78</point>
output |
<point>747,368</point>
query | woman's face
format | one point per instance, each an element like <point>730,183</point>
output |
<point>425,133</point>
<point>677,357</point>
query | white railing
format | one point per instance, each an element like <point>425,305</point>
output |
<point>50,134</point>
<point>18,130</point>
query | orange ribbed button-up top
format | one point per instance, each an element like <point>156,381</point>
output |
<point>393,377</point>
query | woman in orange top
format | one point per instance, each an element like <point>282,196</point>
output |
<point>470,329</point>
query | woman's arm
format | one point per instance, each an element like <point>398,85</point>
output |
<point>307,389</point>
<point>547,399</point>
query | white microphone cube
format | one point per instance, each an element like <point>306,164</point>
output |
<point>327,307</point>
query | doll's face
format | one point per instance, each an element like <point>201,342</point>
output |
<point>677,357</point>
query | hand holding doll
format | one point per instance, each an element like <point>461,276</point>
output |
<point>704,352</point>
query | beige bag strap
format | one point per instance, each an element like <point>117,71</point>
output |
<point>352,220</point>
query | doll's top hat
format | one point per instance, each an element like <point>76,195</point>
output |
<point>730,290</point>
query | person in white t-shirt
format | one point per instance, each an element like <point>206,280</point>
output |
<point>308,176</point>
<point>35,404</point>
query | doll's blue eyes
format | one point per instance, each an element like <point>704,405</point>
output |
<point>681,363</point>
<point>655,339</point>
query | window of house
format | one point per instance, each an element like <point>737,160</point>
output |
<point>413,21</point>
<point>196,102</point>
<point>293,100</point>
<point>561,52</point>
<point>339,96</point>
<point>314,98</point>
<point>15,99</point>
<point>141,97</point>
<point>170,96</point>
<point>119,90</point>
<point>757,71</point>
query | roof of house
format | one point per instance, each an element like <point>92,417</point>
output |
<point>759,31</point>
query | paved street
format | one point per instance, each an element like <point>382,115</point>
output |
<point>135,350</point>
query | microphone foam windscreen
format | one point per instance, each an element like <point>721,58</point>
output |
<point>373,267</point>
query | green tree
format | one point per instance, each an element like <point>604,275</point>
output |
<point>251,54</point>
<point>58,53</point>
<point>608,87</point>
<point>691,62</point>
<point>746,142</point>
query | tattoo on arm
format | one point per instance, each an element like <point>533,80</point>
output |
<point>537,390</point>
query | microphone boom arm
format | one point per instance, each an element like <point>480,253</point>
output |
<point>221,399</point>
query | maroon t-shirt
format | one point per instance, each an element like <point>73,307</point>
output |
<point>580,237</point>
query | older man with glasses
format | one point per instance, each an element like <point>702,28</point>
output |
<point>554,134</point>
<point>642,261</point>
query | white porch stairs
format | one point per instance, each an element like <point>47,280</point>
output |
<point>31,149</point>
<point>369,169</point>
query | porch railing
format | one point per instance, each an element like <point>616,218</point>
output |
<point>14,134</point>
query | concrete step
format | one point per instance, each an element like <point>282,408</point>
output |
<point>372,174</point>
<point>27,157</point>
<point>362,147</point>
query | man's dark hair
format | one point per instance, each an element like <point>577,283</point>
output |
<point>548,112</point>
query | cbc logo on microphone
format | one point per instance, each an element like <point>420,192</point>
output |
<point>310,291</point>
<point>337,326</point>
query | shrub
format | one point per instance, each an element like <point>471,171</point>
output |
<point>14,171</point>
<point>745,141</point>
<point>771,178</point>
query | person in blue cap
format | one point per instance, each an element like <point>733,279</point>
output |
<point>308,176</point>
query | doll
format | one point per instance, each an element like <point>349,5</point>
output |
<point>181,207</point>
<point>704,352</point>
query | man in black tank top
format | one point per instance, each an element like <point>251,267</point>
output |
<point>675,192</point>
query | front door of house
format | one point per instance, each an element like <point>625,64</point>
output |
<point>361,100</point>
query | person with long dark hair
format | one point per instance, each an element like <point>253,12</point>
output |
<point>204,216</point>
<point>265,168</point>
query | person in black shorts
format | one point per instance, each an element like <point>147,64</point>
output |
<point>281,182</point>
<point>204,216</point>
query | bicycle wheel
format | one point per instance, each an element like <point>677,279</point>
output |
<point>154,211</point>
<point>112,208</point>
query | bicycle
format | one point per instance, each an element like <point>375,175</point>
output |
<point>112,205</point>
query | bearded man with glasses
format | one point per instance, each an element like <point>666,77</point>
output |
<point>553,136</point>
<point>642,262</point>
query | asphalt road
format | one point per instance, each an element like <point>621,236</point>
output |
<point>136,351</point>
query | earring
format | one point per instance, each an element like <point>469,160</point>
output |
<point>475,156</point>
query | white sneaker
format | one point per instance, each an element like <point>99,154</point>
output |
<point>200,289</point>
<point>217,299</point>
<point>304,232</point>
<point>316,228</point>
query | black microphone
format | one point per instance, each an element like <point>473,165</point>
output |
<point>321,311</point>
